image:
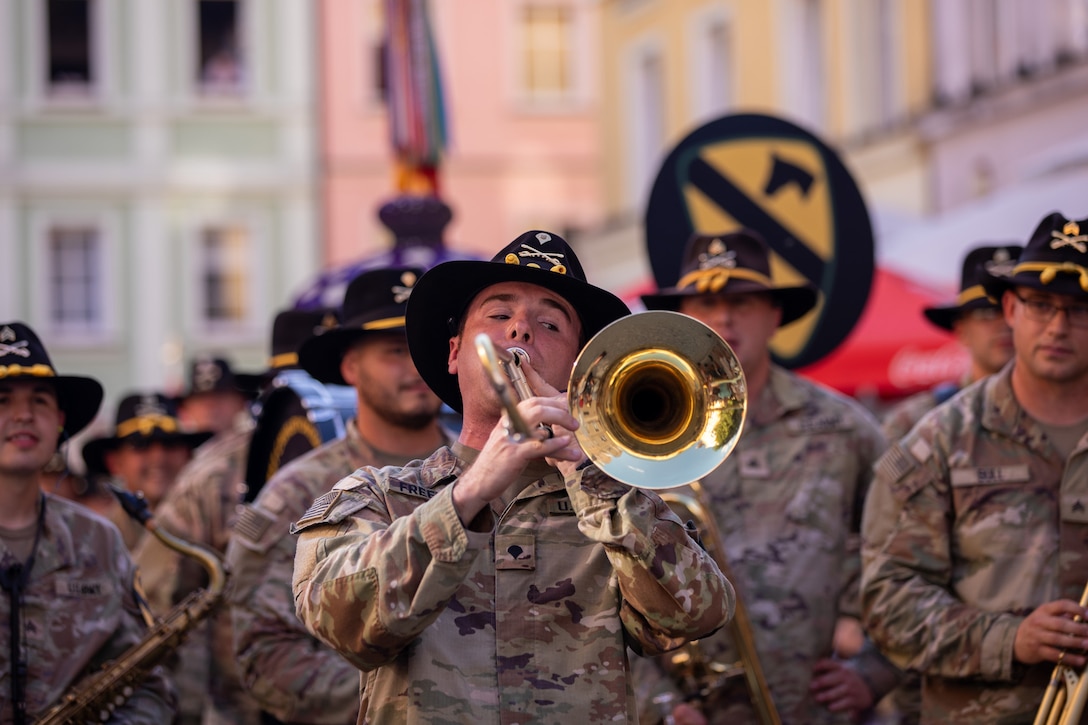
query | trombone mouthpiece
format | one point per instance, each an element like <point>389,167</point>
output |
<point>519,355</point>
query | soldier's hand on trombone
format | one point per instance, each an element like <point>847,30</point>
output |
<point>1050,634</point>
<point>504,457</point>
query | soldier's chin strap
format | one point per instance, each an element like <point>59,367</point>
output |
<point>13,580</point>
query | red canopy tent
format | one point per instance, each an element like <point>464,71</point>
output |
<point>892,351</point>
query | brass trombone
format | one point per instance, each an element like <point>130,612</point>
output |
<point>661,400</point>
<point>1067,693</point>
<point>659,396</point>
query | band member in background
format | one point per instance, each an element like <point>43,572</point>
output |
<point>294,677</point>
<point>498,580</point>
<point>214,400</point>
<point>977,323</point>
<point>202,508</point>
<point>144,455</point>
<point>975,528</point>
<point>68,601</point>
<point>788,503</point>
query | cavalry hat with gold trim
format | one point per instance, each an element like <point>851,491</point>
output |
<point>23,357</point>
<point>443,294</point>
<point>290,329</point>
<point>733,263</point>
<point>1054,260</point>
<point>210,374</point>
<point>141,418</point>
<point>972,295</point>
<point>373,302</point>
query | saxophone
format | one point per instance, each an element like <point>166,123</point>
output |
<point>96,697</point>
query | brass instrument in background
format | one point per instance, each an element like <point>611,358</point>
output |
<point>696,674</point>
<point>660,398</point>
<point>95,698</point>
<point>1067,693</point>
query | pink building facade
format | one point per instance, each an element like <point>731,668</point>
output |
<point>519,79</point>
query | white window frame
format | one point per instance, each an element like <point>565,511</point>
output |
<point>804,84</point>
<point>191,89</point>
<point>36,81</point>
<point>645,160</point>
<point>107,224</point>
<point>249,329</point>
<point>582,60</point>
<point>704,82</point>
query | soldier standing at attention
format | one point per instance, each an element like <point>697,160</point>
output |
<point>977,323</point>
<point>788,503</point>
<point>502,579</point>
<point>294,677</point>
<point>975,528</point>
<point>68,603</point>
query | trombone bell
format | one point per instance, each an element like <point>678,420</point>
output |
<point>660,399</point>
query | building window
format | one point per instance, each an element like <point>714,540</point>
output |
<point>224,278</point>
<point>68,34</point>
<point>713,67</point>
<point>75,284</point>
<point>647,99</point>
<point>546,48</point>
<point>811,94</point>
<point>220,65</point>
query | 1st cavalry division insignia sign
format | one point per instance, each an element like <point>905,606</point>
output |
<point>770,175</point>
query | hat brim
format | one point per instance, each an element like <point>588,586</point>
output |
<point>945,316</point>
<point>795,301</point>
<point>443,293</point>
<point>320,355</point>
<point>1063,283</point>
<point>95,450</point>
<point>80,398</point>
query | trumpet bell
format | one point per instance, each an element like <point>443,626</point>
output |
<point>660,399</point>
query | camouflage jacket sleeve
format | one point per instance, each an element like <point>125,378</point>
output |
<point>369,583</point>
<point>292,676</point>
<point>673,591</point>
<point>908,608</point>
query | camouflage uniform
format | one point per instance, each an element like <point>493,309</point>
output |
<point>973,521</point>
<point>529,621</point>
<point>79,612</point>
<point>788,505</point>
<point>901,417</point>
<point>293,676</point>
<point>201,507</point>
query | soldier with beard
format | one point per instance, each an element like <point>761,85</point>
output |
<point>293,676</point>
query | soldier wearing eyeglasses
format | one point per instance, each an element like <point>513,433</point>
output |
<point>975,529</point>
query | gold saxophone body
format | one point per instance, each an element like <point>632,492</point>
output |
<point>96,697</point>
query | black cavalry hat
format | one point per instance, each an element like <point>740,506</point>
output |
<point>972,296</point>
<point>732,263</point>
<point>142,417</point>
<point>23,357</point>
<point>374,301</point>
<point>1054,260</point>
<point>211,374</point>
<point>290,329</point>
<point>443,294</point>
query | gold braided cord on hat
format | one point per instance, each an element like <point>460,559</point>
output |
<point>1049,270</point>
<point>146,424</point>
<point>971,294</point>
<point>386,324</point>
<point>39,371</point>
<point>283,360</point>
<point>713,279</point>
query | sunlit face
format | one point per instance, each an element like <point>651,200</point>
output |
<point>148,466</point>
<point>746,321</point>
<point>987,338</point>
<point>1048,350</point>
<point>211,411</point>
<point>381,370</point>
<point>30,422</point>
<point>533,318</point>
